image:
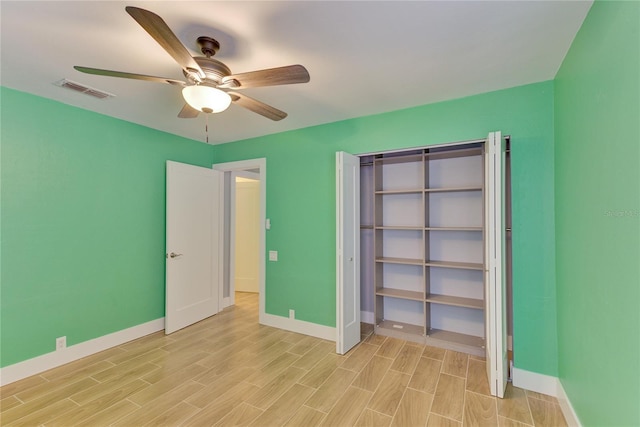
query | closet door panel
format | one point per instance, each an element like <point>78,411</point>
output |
<point>495,282</point>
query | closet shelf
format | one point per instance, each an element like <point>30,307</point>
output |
<point>452,264</point>
<point>448,337</point>
<point>423,204</point>
<point>453,228</point>
<point>399,191</point>
<point>409,261</point>
<point>451,189</point>
<point>456,301</point>
<point>407,158</point>
<point>452,154</point>
<point>399,227</point>
<point>399,329</point>
<point>400,293</point>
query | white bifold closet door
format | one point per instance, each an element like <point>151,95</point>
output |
<point>193,236</point>
<point>495,265</point>
<point>347,251</point>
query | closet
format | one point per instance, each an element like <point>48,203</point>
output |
<point>425,235</point>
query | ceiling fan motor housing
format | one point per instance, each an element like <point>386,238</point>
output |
<point>214,70</point>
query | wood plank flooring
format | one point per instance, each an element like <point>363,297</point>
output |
<point>230,371</point>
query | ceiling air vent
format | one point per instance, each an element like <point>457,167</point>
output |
<point>78,87</point>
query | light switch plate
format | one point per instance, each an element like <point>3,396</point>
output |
<point>273,255</point>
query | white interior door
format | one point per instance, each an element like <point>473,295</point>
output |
<point>193,231</point>
<point>347,252</point>
<point>495,291</point>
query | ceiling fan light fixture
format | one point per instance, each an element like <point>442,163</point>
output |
<point>206,99</point>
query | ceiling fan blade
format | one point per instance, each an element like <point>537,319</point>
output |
<point>290,74</point>
<point>188,112</point>
<point>160,31</point>
<point>257,106</point>
<point>111,73</point>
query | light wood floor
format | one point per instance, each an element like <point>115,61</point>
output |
<point>228,370</point>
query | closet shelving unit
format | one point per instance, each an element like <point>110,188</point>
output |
<point>427,236</point>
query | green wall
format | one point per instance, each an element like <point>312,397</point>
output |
<point>82,223</point>
<point>301,202</point>
<point>83,213</point>
<point>597,163</point>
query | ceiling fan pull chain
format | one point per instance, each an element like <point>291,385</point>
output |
<point>206,126</point>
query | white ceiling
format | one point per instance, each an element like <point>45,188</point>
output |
<point>364,57</point>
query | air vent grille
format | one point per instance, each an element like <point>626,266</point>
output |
<point>78,87</point>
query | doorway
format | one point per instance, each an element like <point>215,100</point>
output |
<point>243,264</point>
<point>247,232</point>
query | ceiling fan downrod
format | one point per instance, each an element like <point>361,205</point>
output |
<point>208,46</point>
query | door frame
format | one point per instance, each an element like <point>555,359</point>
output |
<point>228,204</point>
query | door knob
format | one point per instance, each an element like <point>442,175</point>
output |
<point>174,255</point>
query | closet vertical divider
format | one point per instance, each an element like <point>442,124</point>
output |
<point>426,243</point>
<point>378,241</point>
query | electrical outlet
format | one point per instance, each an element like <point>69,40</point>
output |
<point>61,343</point>
<point>292,314</point>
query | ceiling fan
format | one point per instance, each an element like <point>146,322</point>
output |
<point>210,85</point>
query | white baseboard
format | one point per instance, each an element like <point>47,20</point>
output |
<point>548,385</point>
<point>47,361</point>
<point>299,326</point>
<point>533,381</point>
<point>367,317</point>
<point>567,409</point>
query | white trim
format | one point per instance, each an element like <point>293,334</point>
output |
<point>232,236</point>
<point>548,385</point>
<point>567,409</point>
<point>226,302</point>
<point>366,317</point>
<point>299,326</point>
<point>419,147</point>
<point>533,381</point>
<point>47,361</point>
